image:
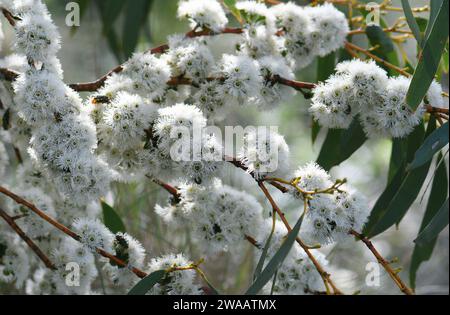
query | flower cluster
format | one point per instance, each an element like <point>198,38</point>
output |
<point>180,282</point>
<point>297,275</point>
<point>219,216</point>
<point>63,140</point>
<point>332,212</point>
<point>265,154</point>
<point>363,89</point>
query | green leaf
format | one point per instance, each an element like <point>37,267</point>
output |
<point>404,149</point>
<point>398,157</point>
<point>437,224</point>
<point>430,58</point>
<point>438,195</point>
<point>315,130</point>
<point>351,140</point>
<point>330,150</point>
<point>146,284</point>
<point>435,5</point>
<point>433,144</point>
<point>404,197</point>
<point>411,21</point>
<point>276,260</point>
<point>111,219</point>
<point>6,119</point>
<point>262,259</point>
<point>340,145</point>
<point>231,5</point>
<point>135,18</point>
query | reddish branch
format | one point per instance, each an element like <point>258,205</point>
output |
<point>325,276</point>
<point>386,265</point>
<point>10,17</point>
<point>97,84</point>
<point>11,222</point>
<point>68,231</point>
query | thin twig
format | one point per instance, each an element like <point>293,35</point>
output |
<point>386,265</point>
<point>352,46</point>
<point>325,276</point>
<point>8,219</point>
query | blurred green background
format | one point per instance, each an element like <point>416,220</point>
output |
<point>107,36</point>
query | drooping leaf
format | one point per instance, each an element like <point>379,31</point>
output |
<point>136,13</point>
<point>398,157</point>
<point>405,196</point>
<point>433,144</point>
<point>435,5</point>
<point>435,227</point>
<point>111,219</point>
<point>330,150</point>
<point>430,57</point>
<point>146,284</point>
<point>262,259</point>
<point>339,145</point>
<point>231,5</point>
<point>412,21</point>
<point>438,195</point>
<point>351,140</point>
<point>276,260</point>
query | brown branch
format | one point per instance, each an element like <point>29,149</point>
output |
<point>8,219</point>
<point>97,84</point>
<point>10,17</point>
<point>68,231</point>
<point>298,85</point>
<point>433,110</point>
<point>8,75</point>
<point>386,265</point>
<point>325,276</point>
<point>353,47</point>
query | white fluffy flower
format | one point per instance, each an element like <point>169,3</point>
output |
<point>207,14</point>
<point>394,115</point>
<point>331,215</point>
<point>331,103</point>
<point>241,77</point>
<point>181,143</point>
<point>130,251</point>
<point>4,159</point>
<point>209,100</point>
<point>125,120</point>
<point>265,153</point>
<point>331,25</point>
<point>273,94</point>
<point>70,252</point>
<point>14,264</point>
<point>149,75</point>
<point>176,282</point>
<point>256,14</point>
<point>37,37</point>
<point>363,89</point>
<point>40,97</point>
<point>191,59</point>
<point>32,224</point>
<point>220,216</point>
<point>93,234</point>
